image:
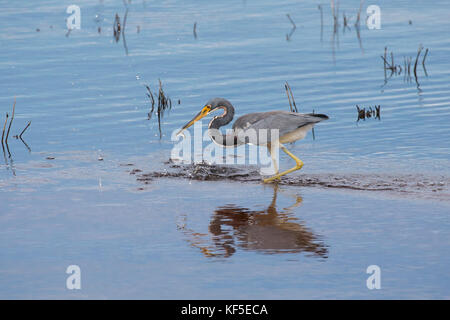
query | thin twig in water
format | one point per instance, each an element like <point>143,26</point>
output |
<point>292,105</point>
<point>10,122</point>
<point>424,57</point>
<point>123,31</point>
<point>387,65</point>
<point>4,127</point>
<point>423,62</point>
<point>313,134</point>
<point>289,98</point>
<point>117,28</point>
<point>293,23</point>
<point>150,95</point>
<point>346,22</point>
<point>358,16</point>
<point>417,58</point>
<point>288,36</point>
<point>26,145</point>
<point>392,60</point>
<point>20,135</point>
<point>357,26</point>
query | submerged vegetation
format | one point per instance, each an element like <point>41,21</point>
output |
<point>407,69</point>
<point>5,137</point>
<point>164,103</point>
<point>369,112</point>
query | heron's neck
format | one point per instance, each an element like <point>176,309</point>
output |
<point>229,140</point>
<point>223,119</point>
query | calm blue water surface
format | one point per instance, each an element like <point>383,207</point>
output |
<point>70,199</point>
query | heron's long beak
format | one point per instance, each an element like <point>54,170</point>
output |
<point>205,111</point>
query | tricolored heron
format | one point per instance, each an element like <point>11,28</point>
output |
<point>291,127</point>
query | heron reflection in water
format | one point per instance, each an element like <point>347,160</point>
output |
<point>268,231</point>
<point>291,126</point>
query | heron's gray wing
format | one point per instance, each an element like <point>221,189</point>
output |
<point>284,121</point>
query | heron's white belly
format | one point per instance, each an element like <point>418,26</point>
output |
<point>295,135</point>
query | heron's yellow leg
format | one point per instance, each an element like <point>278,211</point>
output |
<point>298,165</point>
<point>274,161</point>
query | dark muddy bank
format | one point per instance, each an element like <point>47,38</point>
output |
<point>424,186</point>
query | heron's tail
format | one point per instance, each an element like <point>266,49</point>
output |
<point>318,115</point>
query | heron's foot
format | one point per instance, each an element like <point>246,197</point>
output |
<point>298,166</point>
<point>275,178</point>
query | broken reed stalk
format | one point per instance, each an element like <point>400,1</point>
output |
<point>159,110</point>
<point>417,59</point>
<point>123,31</point>
<point>117,28</point>
<point>288,36</point>
<point>409,66</point>
<point>20,135</point>
<point>313,133</point>
<point>423,62</point>
<point>164,103</point>
<point>345,21</point>
<point>10,122</point>
<point>125,20</point>
<point>424,57</point>
<point>386,64</point>
<point>358,16</point>
<point>4,127</point>
<point>289,17</point>
<point>335,12</point>
<point>150,95</point>
<point>292,105</point>
<point>289,98</point>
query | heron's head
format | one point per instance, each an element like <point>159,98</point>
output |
<point>210,106</point>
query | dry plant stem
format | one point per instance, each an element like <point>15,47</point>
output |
<point>20,135</point>
<point>289,17</point>
<point>4,127</point>
<point>26,145</point>
<point>289,98</point>
<point>423,62</point>
<point>358,17</point>
<point>10,122</point>
<point>288,36</point>
<point>123,32</point>
<point>293,106</point>
<point>417,59</point>
<point>150,95</point>
<point>424,57</point>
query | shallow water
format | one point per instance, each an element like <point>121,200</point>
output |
<point>97,189</point>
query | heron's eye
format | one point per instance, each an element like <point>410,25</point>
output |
<point>206,109</point>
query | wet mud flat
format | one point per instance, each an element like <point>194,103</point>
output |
<point>421,185</point>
